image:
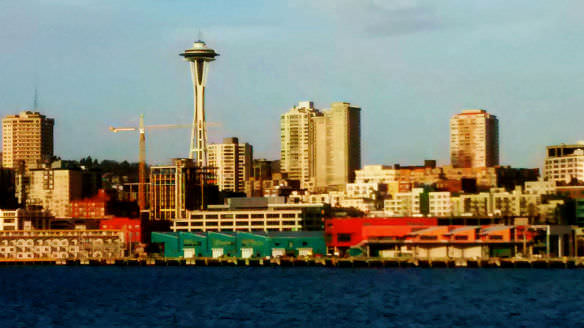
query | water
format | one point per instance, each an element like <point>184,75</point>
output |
<point>288,297</point>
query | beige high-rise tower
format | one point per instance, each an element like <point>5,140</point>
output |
<point>26,137</point>
<point>336,142</point>
<point>232,162</point>
<point>295,127</point>
<point>474,139</point>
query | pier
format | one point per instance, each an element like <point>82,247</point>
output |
<point>328,262</point>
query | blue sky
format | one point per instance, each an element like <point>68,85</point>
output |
<point>409,64</point>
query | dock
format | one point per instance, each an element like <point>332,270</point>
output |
<point>327,262</point>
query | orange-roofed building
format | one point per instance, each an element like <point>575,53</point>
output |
<point>497,234</point>
<point>429,235</point>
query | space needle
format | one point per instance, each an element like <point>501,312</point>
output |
<point>199,57</point>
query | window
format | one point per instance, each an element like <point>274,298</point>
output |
<point>344,237</point>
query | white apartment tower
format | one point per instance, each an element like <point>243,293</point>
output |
<point>26,138</point>
<point>233,164</point>
<point>474,139</point>
<point>295,132</point>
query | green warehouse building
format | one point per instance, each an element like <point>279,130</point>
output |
<point>240,244</point>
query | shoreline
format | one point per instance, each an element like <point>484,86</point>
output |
<point>328,262</point>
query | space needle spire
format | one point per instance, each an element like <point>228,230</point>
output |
<point>199,57</point>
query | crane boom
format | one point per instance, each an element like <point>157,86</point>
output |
<point>167,126</point>
<point>159,126</point>
<point>142,150</point>
<point>116,130</point>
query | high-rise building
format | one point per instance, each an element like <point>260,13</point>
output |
<point>564,163</point>
<point>336,146</point>
<point>27,138</point>
<point>176,188</point>
<point>232,162</point>
<point>474,139</point>
<point>295,127</point>
<point>172,187</point>
<point>54,189</point>
<point>262,168</point>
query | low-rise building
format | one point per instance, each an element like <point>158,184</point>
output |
<point>61,245</point>
<point>252,214</point>
<point>240,244</point>
<point>24,219</point>
<point>369,190</point>
<point>447,177</point>
<point>91,208</point>
<point>404,204</point>
<point>376,174</point>
<point>439,204</point>
<point>365,205</point>
<point>411,237</point>
<point>9,220</point>
<point>564,163</point>
<point>131,228</point>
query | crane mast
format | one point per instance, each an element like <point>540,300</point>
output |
<point>142,151</point>
<point>142,167</point>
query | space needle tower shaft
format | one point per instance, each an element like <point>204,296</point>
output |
<point>199,57</point>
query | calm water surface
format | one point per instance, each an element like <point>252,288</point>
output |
<point>288,297</point>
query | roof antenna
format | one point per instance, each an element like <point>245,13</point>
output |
<point>35,104</point>
<point>35,101</point>
<point>200,35</point>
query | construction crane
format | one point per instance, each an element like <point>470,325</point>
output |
<point>142,146</point>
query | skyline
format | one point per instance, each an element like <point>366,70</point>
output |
<point>511,61</point>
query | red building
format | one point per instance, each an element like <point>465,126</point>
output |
<point>130,227</point>
<point>91,208</point>
<point>423,237</point>
<point>349,232</point>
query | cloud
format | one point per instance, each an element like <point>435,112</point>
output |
<point>377,17</point>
